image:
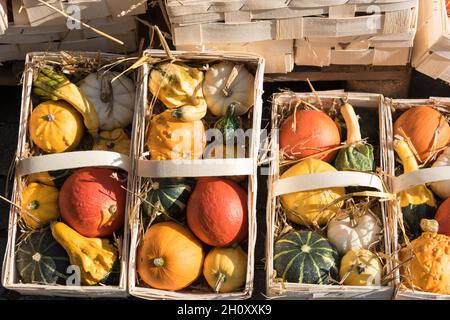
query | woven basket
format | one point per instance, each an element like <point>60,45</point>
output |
<point>275,288</point>
<point>195,168</point>
<point>406,181</point>
<point>68,160</point>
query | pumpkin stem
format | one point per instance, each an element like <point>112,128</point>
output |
<point>113,209</point>
<point>110,145</point>
<point>220,280</point>
<point>353,222</point>
<point>429,225</point>
<point>106,89</point>
<point>226,91</point>
<point>406,155</point>
<point>50,117</point>
<point>158,262</point>
<point>33,205</point>
<point>36,257</point>
<point>351,121</point>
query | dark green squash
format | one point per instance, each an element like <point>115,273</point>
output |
<point>305,257</point>
<point>416,203</point>
<point>357,156</point>
<point>41,260</point>
<point>228,124</point>
<point>168,196</point>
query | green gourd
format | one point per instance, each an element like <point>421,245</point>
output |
<point>416,203</point>
<point>41,260</point>
<point>228,124</point>
<point>358,156</point>
<point>305,257</point>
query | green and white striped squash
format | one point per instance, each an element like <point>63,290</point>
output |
<point>41,260</point>
<point>168,195</point>
<point>305,257</point>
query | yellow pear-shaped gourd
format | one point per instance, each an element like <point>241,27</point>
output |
<point>40,205</point>
<point>94,256</point>
<point>171,139</point>
<point>115,141</point>
<point>360,267</point>
<point>308,207</point>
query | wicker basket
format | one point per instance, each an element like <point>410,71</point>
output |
<point>196,168</point>
<point>276,186</point>
<point>26,165</point>
<point>406,181</point>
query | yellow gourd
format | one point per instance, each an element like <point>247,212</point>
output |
<point>427,263</point>
<point>94,256</point>
<point>225,269</point>
<point>179,87</point>
<point>115,140</point>
<point>40,204</point>
<point>360,267</point>
<point>56,127</point>
<point>305,207</point>
<point>171,138</point>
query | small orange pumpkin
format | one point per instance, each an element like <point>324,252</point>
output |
<point>169,257</point>
<point>426,127</point>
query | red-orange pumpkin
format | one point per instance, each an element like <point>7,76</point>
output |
<point>443,217</point>
<point>217,212</point>
<point>92,201</point>
<point>313,132</point>
<point>423,124</point>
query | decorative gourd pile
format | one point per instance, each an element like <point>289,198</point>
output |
<point>69,217</point>
<point>331,241</point>
<point>422,135</point>
<point>196,227</point>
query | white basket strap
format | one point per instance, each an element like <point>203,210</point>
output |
<point>72,160</point>
<point>326,180</point>
<point>196,168</point>
<point>419,177</point>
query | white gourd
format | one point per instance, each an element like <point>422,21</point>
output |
<point>356,233</point>
<point>113,101</point>
<point>442,188</point>
<point>225,83</point>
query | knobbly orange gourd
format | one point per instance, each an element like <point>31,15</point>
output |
<point>217,212</point>
<point>309,133</point>
<point>170,138</point>
<point>169,257</point>
<point>426,127</point>
<point>92,201</point>
<point>55,126</point>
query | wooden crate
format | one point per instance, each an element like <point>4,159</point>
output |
<point>406,181</point>
<point>196,168</point>
<point>431,54</point>
<point>26,165</point>
<point>276,186</point>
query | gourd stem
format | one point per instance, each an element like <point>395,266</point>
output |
<point>429,225</point>
<point>406,156</point>
<point>158,262</point>
<point>352,123</point>
<point>353,222</point>
<point>226,91</point>
<point>33,205</point>
<point>231,110</point>
<point>220,280</point>
<point>50,117</point>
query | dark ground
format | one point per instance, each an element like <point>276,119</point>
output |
<point>421,87</point>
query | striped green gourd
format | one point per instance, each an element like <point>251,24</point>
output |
<point>41,260</point>
<point>305,257</point>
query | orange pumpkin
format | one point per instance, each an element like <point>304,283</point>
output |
<point>443,217</point>
<point>169,257</point>
<point>426,127</point>
<point>309,133</point>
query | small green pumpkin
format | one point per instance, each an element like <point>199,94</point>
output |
<point>168,196</point>
<point>305,257</point>
<point>417,203</point>
<point>41,260</point>
<point>228,124</point>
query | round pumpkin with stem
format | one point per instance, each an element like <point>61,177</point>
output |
<point>427,129</point>
<point>417,202</point>
<point>358,155</point>
<point>55,126</point>
<point>311,208</point>
<point>169,257</point>
<point>309,132</point>
<point>40,205</point>
<point>225,269</point>
<point>360,267</point>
